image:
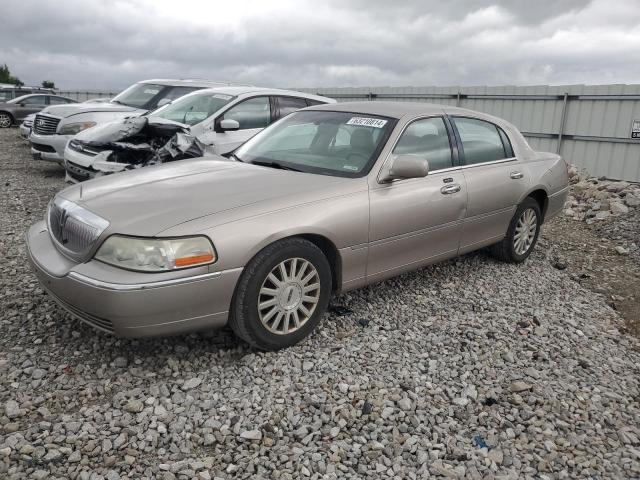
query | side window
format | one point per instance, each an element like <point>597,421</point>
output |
<point>429,138</point>
<point>36,100</point>
<point>507,143</point>
<point>58,101</point>
<point>481,141</point>
<point>311,102</point>
<point>252,113</point>
<point>287,105</point>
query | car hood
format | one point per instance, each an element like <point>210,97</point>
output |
<point>64,111</point>
<point>148,201</point>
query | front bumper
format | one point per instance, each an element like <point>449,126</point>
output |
<point>49,147</point>
<point>78,166</point>
<point>25,131</point>
<point>131,304</point>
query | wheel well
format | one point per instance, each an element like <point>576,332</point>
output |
<point>541,197</point>
<point>331,252</point>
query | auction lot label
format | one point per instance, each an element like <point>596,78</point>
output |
<point>635,129</point>
<point>367,122</point>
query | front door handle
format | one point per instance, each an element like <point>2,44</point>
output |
<point>449,189</point>
<point>517,175</point>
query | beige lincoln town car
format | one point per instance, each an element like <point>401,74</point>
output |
<point>328,199</point>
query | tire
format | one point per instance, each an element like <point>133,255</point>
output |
<point>514,248</point>
<point>257,296</point>
<point>6,120</point>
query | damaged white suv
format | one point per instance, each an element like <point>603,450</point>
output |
<point>214,120</point>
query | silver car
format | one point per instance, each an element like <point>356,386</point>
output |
<point>327,199</point>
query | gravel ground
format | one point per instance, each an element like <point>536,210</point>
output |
<point>467,369</point>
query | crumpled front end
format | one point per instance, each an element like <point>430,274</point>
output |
<point>131,144</point>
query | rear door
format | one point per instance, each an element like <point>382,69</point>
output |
<point>494,181</point>
<point>253,114</point>
<point>417,221</point>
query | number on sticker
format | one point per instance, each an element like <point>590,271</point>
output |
<point>367,122</point>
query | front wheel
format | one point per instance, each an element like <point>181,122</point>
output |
<point>522,233</point>
<point>5,120</point>
<point>281,295</point>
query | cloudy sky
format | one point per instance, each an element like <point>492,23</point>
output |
<point>106,44</point>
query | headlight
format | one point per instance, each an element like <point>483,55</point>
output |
<point>73,128</point>
<point>156,254</point>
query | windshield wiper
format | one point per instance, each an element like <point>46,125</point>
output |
<point>237,158</point>
<point>275,165</point>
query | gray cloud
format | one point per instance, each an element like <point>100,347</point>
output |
<point>79,44</point>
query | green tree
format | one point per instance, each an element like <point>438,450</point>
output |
<point>6,77</point>
<point>48,84</point>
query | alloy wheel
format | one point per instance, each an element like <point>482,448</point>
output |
<point>5,120</point>
<point>525,232</point>
<point>289,296</point>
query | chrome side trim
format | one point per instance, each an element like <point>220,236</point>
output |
<point>560,192</point>
<point>494,162</point>
<point>127,287</point>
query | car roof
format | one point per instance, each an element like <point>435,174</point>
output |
<point>188,82</point>
<point>396,109</point>
<point>236,90</point>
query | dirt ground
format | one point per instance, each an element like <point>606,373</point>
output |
<point>589,257</point>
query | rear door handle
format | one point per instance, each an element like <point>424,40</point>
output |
<point>517,175</point>
<point>449,189</point>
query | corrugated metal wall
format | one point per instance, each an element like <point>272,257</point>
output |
<point>83,95</point>
<point>590,125</point>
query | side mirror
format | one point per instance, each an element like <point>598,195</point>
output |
<point>405,166</point>
<point>163,102</point>
<point>229,125</point>
<point>22,104</point>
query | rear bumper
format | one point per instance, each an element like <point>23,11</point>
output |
<point>156,306</point>
<point>49,147</point>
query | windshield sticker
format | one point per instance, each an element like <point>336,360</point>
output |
<point>221,96</point>
<point>367,122</point>
<point>350,167</point>
<point>152,91</point>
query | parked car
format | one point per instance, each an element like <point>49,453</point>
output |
<point>9,92</point>
<point>217,120</point>
<point>15,111</point>
<point>26,126</point>
<point>328,199</point>
<point>55,126</point>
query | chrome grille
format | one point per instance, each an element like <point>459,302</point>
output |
<point>74,228</point>
<point>44,125</point>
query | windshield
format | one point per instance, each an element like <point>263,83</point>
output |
<point>333,143</point>
<point>18,99</point>
<point>193,108</point>
<point>139,95</point>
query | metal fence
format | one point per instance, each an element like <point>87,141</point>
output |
<point>84,95</point>
<point>594,127</point>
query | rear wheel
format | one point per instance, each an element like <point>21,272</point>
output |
<point>522,234</point>
<point>281,295</point>
<point>6,120</point>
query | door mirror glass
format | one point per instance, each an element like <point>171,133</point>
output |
<point>229,125</point>
<point>405,166</point>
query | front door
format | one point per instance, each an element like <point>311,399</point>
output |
<point>417,221</point>
<point>253,115</point>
